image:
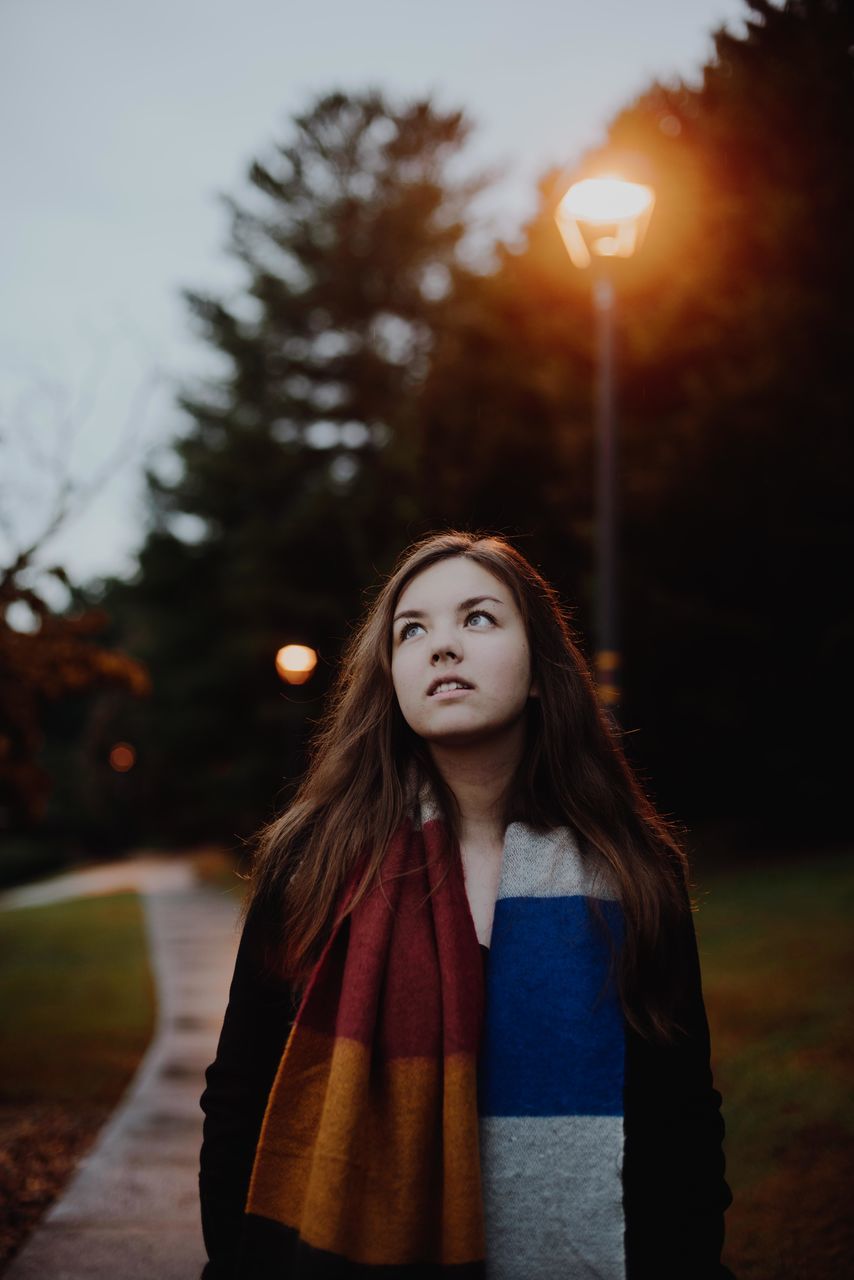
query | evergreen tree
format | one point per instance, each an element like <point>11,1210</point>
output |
<point>296,470</point>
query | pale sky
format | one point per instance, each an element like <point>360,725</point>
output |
<point>119,123</point>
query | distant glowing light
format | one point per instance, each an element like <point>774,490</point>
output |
<point>122,757</point>
<point>295,663</point>
<point>605,217</point>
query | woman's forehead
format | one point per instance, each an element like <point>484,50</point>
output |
<point>449,582</point>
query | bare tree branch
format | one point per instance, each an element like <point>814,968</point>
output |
<point>70,495</point>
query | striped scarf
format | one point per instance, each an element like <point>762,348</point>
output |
<point>425,1120</point>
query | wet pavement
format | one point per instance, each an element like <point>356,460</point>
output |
<point>131,1209</point>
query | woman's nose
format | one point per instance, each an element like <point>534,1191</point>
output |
<point>446,640</point>
<point>445,647</point>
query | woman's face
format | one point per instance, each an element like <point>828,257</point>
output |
<point>456,622</point>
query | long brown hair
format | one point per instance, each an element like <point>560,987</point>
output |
<point>573,771</point>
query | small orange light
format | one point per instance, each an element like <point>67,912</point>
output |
<point>295,663</point>
<point>122,757</point>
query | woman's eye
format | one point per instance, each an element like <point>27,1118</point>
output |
<point>480,613</point>
<point>476,613</point>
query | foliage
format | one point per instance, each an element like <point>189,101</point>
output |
<point>297,465</point>
<point>56,659</point>
<point>735,554</point>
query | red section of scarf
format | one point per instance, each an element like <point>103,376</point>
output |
<point>421,958</point>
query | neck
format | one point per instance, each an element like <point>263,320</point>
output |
<point>479,775</point>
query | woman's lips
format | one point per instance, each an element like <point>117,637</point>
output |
<point>450,693</point>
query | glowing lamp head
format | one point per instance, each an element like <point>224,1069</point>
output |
<point>295,663</point>
<point>604,217</point>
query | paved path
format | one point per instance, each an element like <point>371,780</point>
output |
<point>147,874</point>
<point>131,1208</point>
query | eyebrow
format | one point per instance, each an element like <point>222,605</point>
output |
<point>464,604</point>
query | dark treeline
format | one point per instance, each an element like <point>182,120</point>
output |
<point>373,387</point>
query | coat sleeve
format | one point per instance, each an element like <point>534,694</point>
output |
<point>257,1020</point>
<point>675,1191</point>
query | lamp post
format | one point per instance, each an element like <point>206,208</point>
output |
<point>601,219</point>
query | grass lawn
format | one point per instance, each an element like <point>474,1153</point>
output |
<point>777,945</point>
<point>77,1005</point>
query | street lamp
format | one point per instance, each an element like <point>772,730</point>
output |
<point>295,663</point>
<point>601,219</point>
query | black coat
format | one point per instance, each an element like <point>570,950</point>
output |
<point>674,1190</point>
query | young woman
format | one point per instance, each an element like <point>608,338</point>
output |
<point>466,1030</point>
